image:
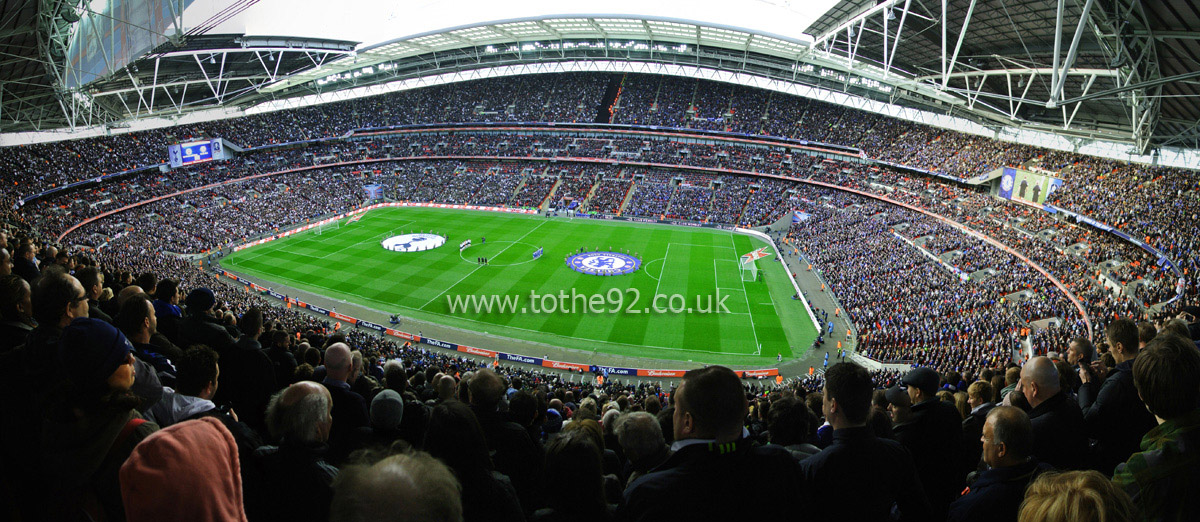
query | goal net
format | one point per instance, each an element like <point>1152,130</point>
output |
<point>749,271</point>
<point>331,225</point>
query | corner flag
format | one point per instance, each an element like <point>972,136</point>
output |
<point>755,255</point>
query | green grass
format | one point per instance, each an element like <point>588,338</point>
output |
<point>348,263</point>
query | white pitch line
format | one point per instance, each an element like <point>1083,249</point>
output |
<point>662,270</point>
<point>481,266</point>
<point>746,296</point>
<point>706,246</point>
<point>647,265</point>
<point>530,330</point>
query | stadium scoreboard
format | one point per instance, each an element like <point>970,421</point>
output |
<point>192,152</point>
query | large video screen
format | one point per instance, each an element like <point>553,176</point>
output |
<point>1027,187</point>
<point>184,154</point>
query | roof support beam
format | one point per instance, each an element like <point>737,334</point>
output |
<point>208,52</point>
<point>887,66</point>
<point>1142,85</point>
<point>1056,88</point>
<point>1062,5</point>
<point>1036,71</point>
<point>962,35</point>
<point>1086,87</point>
<point>833,33</point>
<point>943,23</point>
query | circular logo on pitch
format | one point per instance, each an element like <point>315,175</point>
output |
<point>604,263</point>
<point>413,242</point>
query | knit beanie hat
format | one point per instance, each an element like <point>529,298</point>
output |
<point>387,410</point>
<point>200,300</point>
<point>90,350</point>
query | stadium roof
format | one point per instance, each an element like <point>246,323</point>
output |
<point>1129,70</point>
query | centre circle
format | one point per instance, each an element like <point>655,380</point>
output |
<point>509,246</point>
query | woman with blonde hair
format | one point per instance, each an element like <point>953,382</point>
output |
<point>1075,496</point>
<point>960,402</point>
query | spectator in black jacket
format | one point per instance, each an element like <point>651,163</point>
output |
<point>456,438</point>
<point>934,436</point>
<point>1059,438</point>
<point>138,322</point>
<point>1112,411</point>
<point>1080,354</point>
<point>641,438</point>
<point>416,415</point>
<point>248,379</point>
<point>282,361</point>
<point>93,284</point>
<point>166,306</point>
<point>16,312</point>
<point>387,412</point>
<point>979,397</point>
<point>713,462</point>
<point>297,479</point>
<point>200,326</point>
<point>574,481</point>
<point>790,424</point>
<point>24,264</point>
<point>515,453</point>
<point>843,481</point>
<point>351,408</point>
<point>996,493</point>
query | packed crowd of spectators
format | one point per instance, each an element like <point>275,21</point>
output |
<point>118,351</point>
<point>147,398</point>
<point>491,182</point>
<point>942,322</point>
<point>479,181</point>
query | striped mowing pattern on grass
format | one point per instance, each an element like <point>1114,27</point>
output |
<point>698,264</point>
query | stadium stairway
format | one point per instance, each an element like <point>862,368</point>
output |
<point>604,112</point>
<point>583,205</point>
<point>628,198</point>
<point>550,196</point>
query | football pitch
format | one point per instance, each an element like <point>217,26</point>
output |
<point>706,312</point>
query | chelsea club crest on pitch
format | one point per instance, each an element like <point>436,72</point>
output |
<point>604,263</point>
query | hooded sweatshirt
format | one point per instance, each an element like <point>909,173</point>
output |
<point>188,472</point>
<point>175,407</point>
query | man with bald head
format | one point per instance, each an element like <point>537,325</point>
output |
<point>1059,435</point>
<point>6,264</point>
<point>351,407</point>
<point>445,388</point>
<point>297,480</point>
<point>408,487</point>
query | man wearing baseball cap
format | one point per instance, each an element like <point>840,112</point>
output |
<point>935,439</point>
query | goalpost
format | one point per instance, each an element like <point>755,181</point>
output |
<point>749,271</point>
<point>332,225</point>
